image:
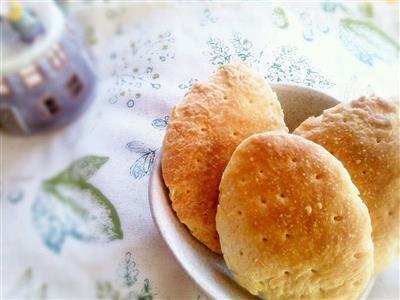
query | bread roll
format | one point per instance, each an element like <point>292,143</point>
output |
<point>291,223</point>
<point>364,135</point>
<point>203,132</point>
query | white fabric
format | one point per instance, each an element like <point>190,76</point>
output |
<point>147,56</point>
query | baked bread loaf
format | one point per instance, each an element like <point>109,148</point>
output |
<point>365,136</point>
<point>202,134</point>
<point>291,223</point>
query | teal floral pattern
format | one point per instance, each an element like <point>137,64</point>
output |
<point>242,47</point>
<point>127,289</point>
<point>290,67</point>
<point>129,77</point>
<point>128,271</point>
<point>238,48</point>
<point>219,52</point>
<point>188,84</point>
<point>68,205</point>
<point>286,66</point>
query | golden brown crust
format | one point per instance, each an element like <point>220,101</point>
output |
<point>290,221</point>
<point>364,134</point>
<point>204,130</point>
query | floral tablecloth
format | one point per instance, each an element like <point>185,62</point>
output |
<point>75,220</point>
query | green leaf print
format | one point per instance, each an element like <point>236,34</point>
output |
<point>145,293</point>
<point>366,9</point>
<point>106,290</point>
<point>368,42</point>
<point>27,287</point>
<point>83,168</point>
<point>68,205</point>
<point>280,18</point>
<point>368,31</point>
<point>90,35</point>
<point>89,204</point>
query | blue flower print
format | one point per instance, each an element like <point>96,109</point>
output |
<point>188,84</point>
<point>143,165</point>
<point>160,123</point>
<point>15,196</point>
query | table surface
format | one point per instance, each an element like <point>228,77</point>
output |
<point>75,221</point>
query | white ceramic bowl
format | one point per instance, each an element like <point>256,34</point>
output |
<point>206,268</point>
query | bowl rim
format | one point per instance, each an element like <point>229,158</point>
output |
<point>157,171</point>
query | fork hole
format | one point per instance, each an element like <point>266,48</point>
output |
<point>356,283</point>
<point>338,218</point>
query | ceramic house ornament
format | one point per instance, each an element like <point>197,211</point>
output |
<point>46,76</point>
